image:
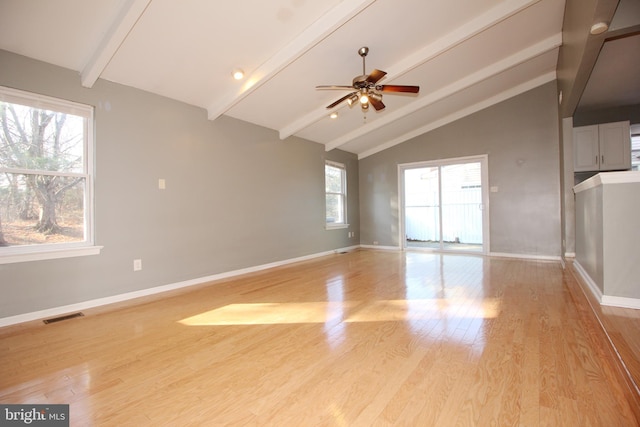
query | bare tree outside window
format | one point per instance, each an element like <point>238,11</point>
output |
<point>42,175</point>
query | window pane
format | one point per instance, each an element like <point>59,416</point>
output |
<point>333,179</point>
<point>422,206</point>
<point>335,208</point>
<point>38,139</point>
<point>36,209</point>
<point>635,152</point>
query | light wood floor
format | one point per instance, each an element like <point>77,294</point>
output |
<point>368,338</point>
<point>621,327</point>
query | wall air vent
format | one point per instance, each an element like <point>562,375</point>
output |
<point>61,318</point>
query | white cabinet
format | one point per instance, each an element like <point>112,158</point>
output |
<point>603,147</point>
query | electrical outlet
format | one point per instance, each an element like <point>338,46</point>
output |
<point>137,264</point>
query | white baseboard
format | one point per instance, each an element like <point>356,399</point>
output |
<point>526,256</point>
<point>595,290</point>
<point>610,300</point>
<point>382,248</point>
<point>621,302</point>
<point>335,251</point>
<point>84,305</point>
<point>493,254</point>
<point>571,255</point>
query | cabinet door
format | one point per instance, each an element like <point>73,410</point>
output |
<point>615,146</point>
<point>586,153</point>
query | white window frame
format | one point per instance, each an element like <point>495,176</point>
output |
<point>343,195</point>
<point>12,254</point>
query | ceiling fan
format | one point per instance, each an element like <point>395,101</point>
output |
<point>367,91</point>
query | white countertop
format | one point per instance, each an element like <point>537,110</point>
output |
<point>608,178</point>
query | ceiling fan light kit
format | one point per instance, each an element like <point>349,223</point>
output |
<point>367,91</point>
<point>351,99</point>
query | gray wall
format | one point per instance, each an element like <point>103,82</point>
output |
<point>621,239</point>
<point>237,196</point>
<point>607,237</point>
<point>589,238</point>
<point>521,138</point>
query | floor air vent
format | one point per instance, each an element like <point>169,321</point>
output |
<point>61,318</point>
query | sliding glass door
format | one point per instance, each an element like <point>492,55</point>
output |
<point>444,205</point>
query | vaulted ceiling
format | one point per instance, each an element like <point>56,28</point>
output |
<point>465,55</point>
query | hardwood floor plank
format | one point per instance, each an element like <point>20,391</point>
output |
<point>621,329</point>
<point>368,338</point>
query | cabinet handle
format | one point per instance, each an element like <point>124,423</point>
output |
<point>602,162</point>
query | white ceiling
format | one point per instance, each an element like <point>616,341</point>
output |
<point>465,55</point>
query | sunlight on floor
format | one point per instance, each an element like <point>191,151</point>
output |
<point>268,313</point>
<point>346,311</point>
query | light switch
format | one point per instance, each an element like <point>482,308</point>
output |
<point>494,189</point>
<point>162,184</point>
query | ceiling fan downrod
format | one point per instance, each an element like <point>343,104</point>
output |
<point>363,51</point>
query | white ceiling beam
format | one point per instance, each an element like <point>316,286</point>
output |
<point>315,33</point>
<point>488,19</point>
<point>502,96</point>
<point>485,73</point>
<point>124,22</point>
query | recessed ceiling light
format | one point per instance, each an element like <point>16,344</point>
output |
<point>599,28</point>
<point>238,74</point>
<point>334,115</point>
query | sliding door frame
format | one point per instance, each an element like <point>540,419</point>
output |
<point>484,166</point>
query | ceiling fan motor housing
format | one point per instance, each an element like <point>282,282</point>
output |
<point>360,82</point>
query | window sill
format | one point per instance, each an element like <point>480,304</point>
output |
<point>336,226</point>
<point>35,255</point>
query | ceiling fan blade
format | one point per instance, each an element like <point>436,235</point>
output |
<point>344,98</point>
<point>375,76</point>
<point>378,105</point>
<point>398,88</point>
<point>334,87</point>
